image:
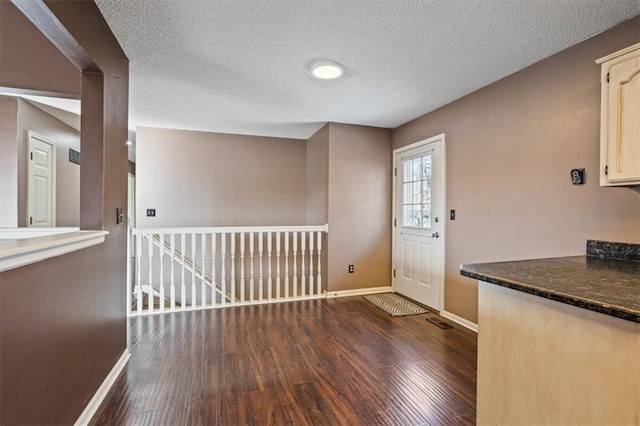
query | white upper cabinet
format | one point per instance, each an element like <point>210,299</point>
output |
<point>620,119</point>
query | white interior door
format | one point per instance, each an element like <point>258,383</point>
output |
<point>418,249</point>
<point>41,197</point>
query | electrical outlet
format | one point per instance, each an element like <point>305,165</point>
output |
<point>351,269</point>
<point>151,212</point>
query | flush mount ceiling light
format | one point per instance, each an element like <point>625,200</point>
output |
<point>326,70</point>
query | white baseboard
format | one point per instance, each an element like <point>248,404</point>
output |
<point>101,393</point>
<point>358,292</point>
<point>463,322</point>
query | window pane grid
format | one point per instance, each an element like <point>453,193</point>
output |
<point>416,200</point>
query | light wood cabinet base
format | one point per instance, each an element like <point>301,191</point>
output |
<point>545,362</point>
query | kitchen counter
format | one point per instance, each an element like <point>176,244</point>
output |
<point>605,285</point>
<point>558,339</point>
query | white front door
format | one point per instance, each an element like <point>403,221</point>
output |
<point>41,182</point>
<point>419,220</point>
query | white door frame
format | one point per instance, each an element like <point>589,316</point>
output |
<point>394,228</point>
<point>131,207</point>
<point>33,135</point>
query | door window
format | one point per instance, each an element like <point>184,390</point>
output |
<point>416,199</point>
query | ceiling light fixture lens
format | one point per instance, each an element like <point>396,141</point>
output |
<point>327,70</point>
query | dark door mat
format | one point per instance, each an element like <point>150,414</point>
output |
<point>437,321</point>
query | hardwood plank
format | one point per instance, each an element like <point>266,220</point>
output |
<point>147,418</point>
<point>338,362</point>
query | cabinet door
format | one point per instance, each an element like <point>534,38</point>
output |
<point>623,121</point>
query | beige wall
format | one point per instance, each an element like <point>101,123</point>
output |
<point>510,148</point>
<point>318,177</point>
<point>33,118</point>
<point>8,162</point>
<point>213,179</point>
<point>359,207</point>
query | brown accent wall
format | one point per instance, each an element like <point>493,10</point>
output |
<point>8,162</point>
<point>62,321</point>
<point>48,71</point>
<point>33,118</point>
<point>213,179</point>
<point>510,148</point>
<point>318,177</point>
<point>359,207</point>
<point>318,188</point>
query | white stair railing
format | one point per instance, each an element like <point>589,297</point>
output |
<point>188,265</point>
<point>202,268</point>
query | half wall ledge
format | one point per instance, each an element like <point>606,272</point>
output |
<point>19,252</point>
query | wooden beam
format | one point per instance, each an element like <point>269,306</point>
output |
<point>44,19</point>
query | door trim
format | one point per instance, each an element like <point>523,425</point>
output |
<point>131,241</point>
<point>394,228</point>
<point>33,135</point>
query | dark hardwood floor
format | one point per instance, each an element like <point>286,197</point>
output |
<point>323,362</point>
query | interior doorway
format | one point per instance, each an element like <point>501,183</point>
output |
<point>41,181</point>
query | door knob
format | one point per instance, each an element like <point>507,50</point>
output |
<point>435,235</point>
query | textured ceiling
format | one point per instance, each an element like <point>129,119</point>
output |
<point>239,66</point>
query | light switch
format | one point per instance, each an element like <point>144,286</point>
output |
<point>119,216</point>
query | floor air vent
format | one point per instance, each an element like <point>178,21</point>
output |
<point>443,325</point>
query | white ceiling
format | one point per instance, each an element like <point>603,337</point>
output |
<point>239,66</point>
<point>71,106</point>
<point>64,109</point>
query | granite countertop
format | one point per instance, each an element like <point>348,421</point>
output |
<point>607,285</point>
